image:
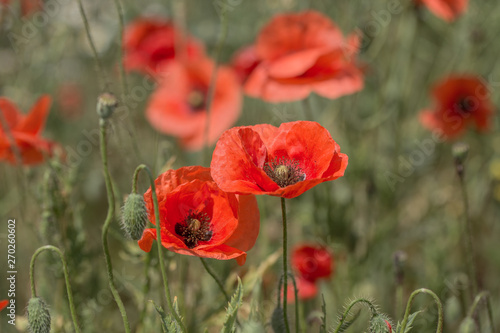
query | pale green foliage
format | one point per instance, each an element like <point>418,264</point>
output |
<point>232,309</point>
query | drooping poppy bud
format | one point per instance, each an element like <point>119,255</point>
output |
<point>38,316</point>
<point>106,105</point>
<point>134,216</point>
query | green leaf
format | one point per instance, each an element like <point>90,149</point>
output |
<point>168,323</point>
<point>322,328</point>
<point>232,309</point>
<point>409,324</point>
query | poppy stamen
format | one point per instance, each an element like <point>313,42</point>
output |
<point>284,172</point>
<point>195,228</point>
<point>464,105</point>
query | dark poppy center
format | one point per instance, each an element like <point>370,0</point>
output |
<point>465,105</point>
<point>196,100</point>
<point>284,172</point>
<point>195,228</point>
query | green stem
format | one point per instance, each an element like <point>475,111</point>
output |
<point>145,290</point>
<point>107,223</point>
<point>484,295</point>
<point>370,305</point>
<point>285,267</point>
<point>158,241</point>
<point>123,76</point>
<point>296,295</point>
<point>66,278</point>
<point>213,81</point>
<point>212,274</point>
<point>410,302</point>
<point>469,248</point>
<point>99,66</point>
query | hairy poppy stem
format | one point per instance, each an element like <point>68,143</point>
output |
<point>370,305</point>
<point>145,290</point>
<point>213,81</point>
<point>217,280</point>
<point>482,296</point>
<point>410,302</point>
<point>99,66</point>
<point>66,278</point>
<point>296,295</point>
<point>107,223</point>
<point>123,76</point>
<point>285,267</point>
<point>158,241</point>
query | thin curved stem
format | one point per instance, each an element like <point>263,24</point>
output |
<point>107,223</point>
<point>66,278</point>
<point>212,274</point>
<point>482,296</point>
<point>285,267</point>
<point>410,302</point>
<point>121,21</point>
<point>99,66</point>
<point>296,295</point>
<point>373,311</point>
<point>145,289</point>
<point>213,80</point>
<point>158,241</point>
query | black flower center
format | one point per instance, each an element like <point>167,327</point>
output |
<point>284,172</point>
<point>465,105</point>
<point>195,228</point>
<point>196,100</point>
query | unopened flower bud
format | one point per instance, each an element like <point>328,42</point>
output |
<point>460,151</point>
<point>134,216</point>
<point>38,316</point>
<point>106,104</point>
<point>278,320</point>
<point>467,326</point>
<point>380,324</point>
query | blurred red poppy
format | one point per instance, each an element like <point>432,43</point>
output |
<point>178,107</point>
<point>459,101</point>
<point>284,161</point>
<point>303,53</point>
<point>245,61</point>
<point>199,219</point>
<point>312,262</point>
<point>70,100</point>
<point>28,7</point>
<point>448,10</point>
<point>305,289</point>
<point>28,147</point>
<point>3,304</point>
<point>148,42</point>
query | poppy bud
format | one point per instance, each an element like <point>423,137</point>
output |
<point>278,320</point>
<point>38,316</point>
<point>460,151</point>
<point>106,104</point>
<point>380,324</point>
<point>134,216</point>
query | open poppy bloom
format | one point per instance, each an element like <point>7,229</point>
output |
<point>178,107</point>
<point>149,42</point>
<point>448,10</point>
<point>199,219</point>
<point>312,262</point>
<point>22,142</point>
<point>3,304</point>
<point>284,161</point>
<point>459,101</point>
<point>245,61</point>
<point>303,53</point>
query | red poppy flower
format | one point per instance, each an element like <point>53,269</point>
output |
<point>28,7</point>
<point>303,53</point>
<point>305,289</point>
<point>460,101</point>
<point>70,100</point>
<point>312,262</point>
<point>3,304</point>
<point>199,219</point>
<point>284,161</point>
<point>178,107</point>
<point>245,61</point>
<point>148,42</point>
<point>25,131</point>
<point>448,10</point>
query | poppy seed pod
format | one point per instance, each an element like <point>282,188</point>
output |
<point>134,216</point>
<point>38,316</point>
<point>106,104</point>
